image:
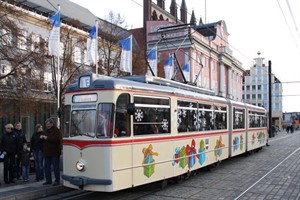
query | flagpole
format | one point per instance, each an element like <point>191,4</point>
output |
<point>131,54</point>
<point>58,78</point>
<point>96,47</point>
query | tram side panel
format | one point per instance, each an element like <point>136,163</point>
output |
<point>256,138</point>
<point>238,142</point>
<point>151,160</point>
<point>122,168</point>
<point>199,151</point>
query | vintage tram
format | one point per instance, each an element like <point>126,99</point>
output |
<point>128,131</point>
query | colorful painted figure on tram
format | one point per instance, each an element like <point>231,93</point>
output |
<point>148,160</point>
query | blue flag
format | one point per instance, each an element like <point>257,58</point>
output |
<point>152,60</point>
<point>91,45</point>
<point>168,68</point>
<point>54,38</point>
<point>186,71</point>
<point>126,54</point>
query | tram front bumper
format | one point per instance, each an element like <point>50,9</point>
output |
<point>82,180</point>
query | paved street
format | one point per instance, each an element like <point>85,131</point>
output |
<point>272,173</point>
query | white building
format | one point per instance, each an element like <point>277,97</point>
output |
<point>256,89</point>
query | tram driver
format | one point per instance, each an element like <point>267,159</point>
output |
<point>104,127</point>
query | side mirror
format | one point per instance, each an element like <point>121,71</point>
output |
<point>131,108</point>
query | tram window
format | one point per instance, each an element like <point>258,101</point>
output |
<point>66,120</point>
<point>122,123</point>
<point>205,119</point>
<point>256,119</point>
<point>220,117</point>
<point>239,118</point>
<point>83,122</point>
<point>151,118</point>
<point>186,116</point>
<point>104,120</point>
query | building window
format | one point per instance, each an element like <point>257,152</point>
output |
<point>265,87</point>
<point>35,42</point>
<point>265,96</point>
<point>248,96</point>
<point>259,96</point>
<point>258,87</point>
<point>22,40</point>
<point>253,87</point>
<point>253,96</point>
<point>48,85</point>
<point>248,87</point>
<point>6,37</point>
<point>77,55</point>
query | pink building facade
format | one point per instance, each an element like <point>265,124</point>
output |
<point>204,46</point>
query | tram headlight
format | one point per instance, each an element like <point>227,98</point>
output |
<point>80,165</point>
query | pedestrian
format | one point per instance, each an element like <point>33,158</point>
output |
<point>52,150</point>
<point>36,147</point>
<point>25,162</point>
<point>22,140</point>
<point>1,155</point>
<point>9,145</point>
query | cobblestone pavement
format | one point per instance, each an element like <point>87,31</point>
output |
<point>271,173</point>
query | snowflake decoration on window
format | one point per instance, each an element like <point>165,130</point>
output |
<point>211,118</point>
<point>139,115</point>
<point>165,124</point>
<point>179,117</point>
<point>236,119</point>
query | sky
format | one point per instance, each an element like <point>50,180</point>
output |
<point>268,26</point>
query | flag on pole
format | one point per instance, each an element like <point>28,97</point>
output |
<point>126,55</point>
<point>152,60</point>
<point>91,46</point>
<point>186,71</point>
<point>168,67</point>
<point>54,38</point>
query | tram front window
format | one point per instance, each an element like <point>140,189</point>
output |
<point>83,123</point>
<point>105,120</point>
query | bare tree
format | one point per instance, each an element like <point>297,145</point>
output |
<point>111,31</point>
<point>71,62</point>
<point>22,57</point>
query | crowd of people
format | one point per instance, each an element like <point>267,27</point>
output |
<point>44,146</point>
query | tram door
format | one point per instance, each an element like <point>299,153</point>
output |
<point>122,122</point>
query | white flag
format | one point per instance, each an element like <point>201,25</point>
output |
<point>91,46</point>
<point>126,55</point>
<point>168,67</point>
<point>152,60</point>
<point>186,71</point>
<point>54,38</point>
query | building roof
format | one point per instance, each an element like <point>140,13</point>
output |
<point>70,11</point>
<point>208,30</point>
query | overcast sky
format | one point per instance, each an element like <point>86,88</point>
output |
<point>268,26</point>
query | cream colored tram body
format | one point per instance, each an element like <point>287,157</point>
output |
<point>129,131</point>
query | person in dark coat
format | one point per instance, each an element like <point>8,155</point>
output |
<point>52,150</point>
<point>25,162</point>
<point>36,147</point>
<point>22,140</point>
<point>9,145</point>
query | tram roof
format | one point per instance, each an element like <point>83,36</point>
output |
<point>146,83</point>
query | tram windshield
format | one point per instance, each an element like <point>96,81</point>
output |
<point>83,123</point>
